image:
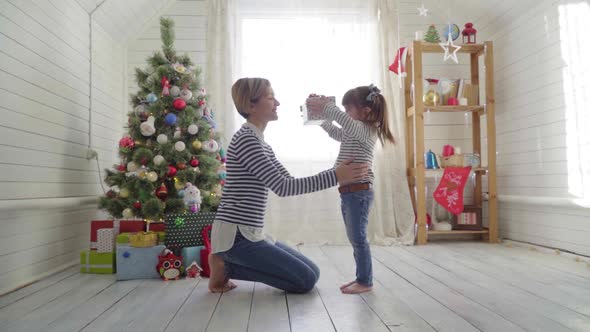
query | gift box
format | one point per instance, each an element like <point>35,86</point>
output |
<point>106,240</point>
<point>184,230</point>
<point>95,225</point>
<point>156,227</point>
<point>138,263</point>
<point>311,119</point>
<point>131,226</point>
<point>123,238</point>
<point>95,262</point>
<point>191,254</point>
<point>143,239</point>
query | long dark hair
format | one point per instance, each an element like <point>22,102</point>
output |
<point>370,96</point>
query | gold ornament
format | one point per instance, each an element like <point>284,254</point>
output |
<point>431,98</point>
<point>152,176</point>
<point>197,144</point>
<point>124,193</point>
<point>178,185</point>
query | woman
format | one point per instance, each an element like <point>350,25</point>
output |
<point>240,249</point>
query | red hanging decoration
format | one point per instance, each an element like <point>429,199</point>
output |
<point>162,192</point>
<point>449,192</point>
<point>165,86</point>
<point>194,162</point>
<point>137,205</point>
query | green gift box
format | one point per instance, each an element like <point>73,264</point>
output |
<point>95,262</point>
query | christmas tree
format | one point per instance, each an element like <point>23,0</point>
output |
<point>171,160</point>
<point>432,35</point>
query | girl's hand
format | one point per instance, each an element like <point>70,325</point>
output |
<point>349,172</point>
<point>316,104</point>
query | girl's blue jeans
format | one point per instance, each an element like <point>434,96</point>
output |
<point>355,211</point>
<point>276,265</point>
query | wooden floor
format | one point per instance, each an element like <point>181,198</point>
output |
<point>459,286</point>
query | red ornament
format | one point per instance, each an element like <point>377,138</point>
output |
<point>162,192</point>
<point>165,86</point>
<point>222,182</point>
<point>122,168</point>
<point>201,102</point>
<point>171,171</point>
<point>111,194</point>
<point>143,161</point>
<point>181,165</point>
<point>469,34</point>
<point>179,104</point>
<point>137,205</point>
<point>126,143</point>
<point>194,162</point>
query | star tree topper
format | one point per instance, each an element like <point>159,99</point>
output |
<point>447,46</point>
<point>422,11</point>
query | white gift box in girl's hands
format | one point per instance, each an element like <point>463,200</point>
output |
<point>313,119</point>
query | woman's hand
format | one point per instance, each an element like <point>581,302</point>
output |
<point>349,172</point>
<point>316,104</point>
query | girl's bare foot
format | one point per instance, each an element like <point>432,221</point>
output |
<point>217,281</point>
<point>347,284</point>
<point>356,288</point>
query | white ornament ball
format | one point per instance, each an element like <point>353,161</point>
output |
<point>132,166</point>
<point>193,129</point>
<point>186,94</point>
<point>179,146</point>
<point>127,213</point>
<point>162,139</point>
<point>175,91</point>
<point>152,176</point>
<point>211,146</point>
<point>177,133</point>
<point>158,160</point>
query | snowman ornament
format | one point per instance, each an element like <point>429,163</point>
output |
<point>192,197</point>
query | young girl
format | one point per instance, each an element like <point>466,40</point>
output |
<point>365,120</point>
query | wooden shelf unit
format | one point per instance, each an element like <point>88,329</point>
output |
<point>416,171</point>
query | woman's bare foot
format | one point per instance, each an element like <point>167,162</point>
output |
<point>217,281</point>
<point>356,288</point>
<point>347,284</point>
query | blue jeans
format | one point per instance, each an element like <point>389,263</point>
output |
<point>355,211</point>
<point>276,265</point>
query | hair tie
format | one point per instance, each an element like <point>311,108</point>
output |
<point>374,91</point>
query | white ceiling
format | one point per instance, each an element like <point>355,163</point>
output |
<point>124,20</point>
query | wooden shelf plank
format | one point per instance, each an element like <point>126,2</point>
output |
<point>434,172</point>
<point>465,48</point>
<point>477,108</point>
<point>483,231</point>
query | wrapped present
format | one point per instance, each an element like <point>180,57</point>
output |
<point>191,254</point>
<point>143,239</point>
<point>123,238</point>
<point>312,119</point>
<point>184,230</point>
<point>95,225</point>
<point>106,240</point>
<point>138,263</point>
<point>131,226</point>
<point>156,227</point>
<point>161,237</point>
<point>96,262</point>
<point>206,251</point>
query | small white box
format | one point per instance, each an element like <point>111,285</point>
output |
<point>309,119</point>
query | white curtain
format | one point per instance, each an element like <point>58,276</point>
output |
<point>221,64</point>
<point>327,47</point>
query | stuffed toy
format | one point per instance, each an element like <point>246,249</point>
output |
<point>192,197</point>
<point>169,265</point>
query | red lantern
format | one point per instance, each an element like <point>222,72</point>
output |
<point>469,34</point>
<point>179,104</point>
<point>171,171</point>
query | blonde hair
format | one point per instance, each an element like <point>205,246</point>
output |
<point>370,96</point>
<point>248,90</point>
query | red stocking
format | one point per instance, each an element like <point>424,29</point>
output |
<point>449,192</point>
